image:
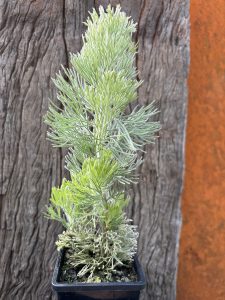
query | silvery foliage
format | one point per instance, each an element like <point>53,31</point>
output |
<point>103,144</point>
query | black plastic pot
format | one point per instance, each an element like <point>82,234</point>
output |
<point>100,291</point>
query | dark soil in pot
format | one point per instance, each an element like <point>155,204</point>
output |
<point>121,274</point>
<point>127,286</point>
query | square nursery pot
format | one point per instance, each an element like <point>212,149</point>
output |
<point>104,290</point>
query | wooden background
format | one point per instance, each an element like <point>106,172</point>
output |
<point>35,39</point>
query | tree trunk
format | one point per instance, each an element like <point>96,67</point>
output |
<point>35,38</point>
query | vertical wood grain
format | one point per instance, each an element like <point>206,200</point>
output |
<point>162,61</point>
<point>35,38</point>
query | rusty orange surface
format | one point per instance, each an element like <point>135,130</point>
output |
<point>201,274</point>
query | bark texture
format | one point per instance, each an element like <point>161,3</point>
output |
<point>35,38</point>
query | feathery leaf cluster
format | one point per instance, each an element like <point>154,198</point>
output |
<point>103,144</point>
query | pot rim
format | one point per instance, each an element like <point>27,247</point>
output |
<point>81,286</point>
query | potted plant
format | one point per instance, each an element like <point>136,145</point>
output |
<point>98,245</point>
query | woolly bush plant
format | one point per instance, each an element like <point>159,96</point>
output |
<point>103,144</point>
